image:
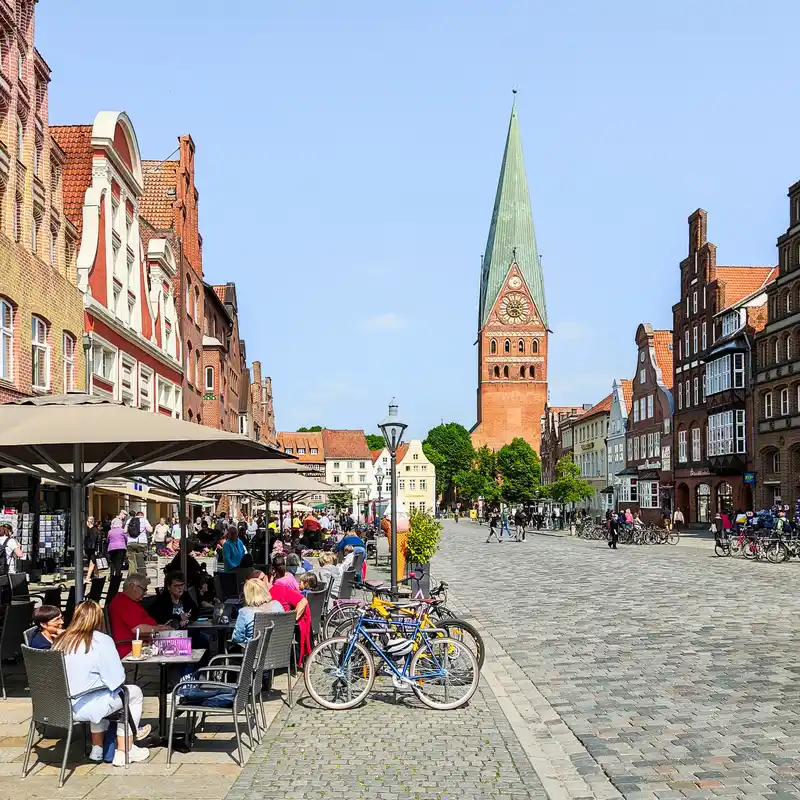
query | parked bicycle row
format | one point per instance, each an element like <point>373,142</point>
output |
<point>757,544</point>
<point>629,533</point>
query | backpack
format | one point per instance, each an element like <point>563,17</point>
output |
<point>134,526</point>
<point>4,557</point>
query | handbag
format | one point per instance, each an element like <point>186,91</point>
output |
<point>102,563</point>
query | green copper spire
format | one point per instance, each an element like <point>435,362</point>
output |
<point>511,235</point>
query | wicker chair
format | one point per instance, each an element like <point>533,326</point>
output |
<point>113,588</point>
<point>20,590</point>
<point>346,586</point>
<point>226,586</point>
<point>96,589</point>
<point>382,549</point>
<point>242,697</point>
<point>317,604</point>
<point>52,703</point>
<point>17,620</point>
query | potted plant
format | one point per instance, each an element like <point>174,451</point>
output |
<point>421,544</point>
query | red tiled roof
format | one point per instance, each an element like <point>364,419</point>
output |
<point>741,282</point>
<point>156,205</point>
<point>603,405</point>
<point>76,142</point>
<point>402,452</point>
<point>376,454</point>
<point>220,292</point>
<point>303,441</point>
<point>627,393</point>
<point>662,341</point>
<point>345,444</point>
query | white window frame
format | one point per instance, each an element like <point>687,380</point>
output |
<point>694,339</point>
<point>40,349</point>
<point>740,431</point>
<point>68,345</point>
<point>209,384</point>
<point>686,350</point>
<point>145,388</point>
<point>784,400</point>
<point>642,375</point>
<point>704,335</point>
<point>648,492</point>
<point>696,390</point>
<point>768,405</point>
<point>6,341</point>
<point>694,301</point>
<point>687,390</point>
<point>682,446</point>
<point>630,448</point>
<point>696,451</point>
<point>650,406</point>
<point>680,396</point>
<point>635,410</point>
<point>730,323</point>
<point>635,448</point>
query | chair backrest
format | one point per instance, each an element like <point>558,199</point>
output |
<point>251,651</point>
<point>69,608</point>
<point>52,597</point>
<point>279,647</point>
<point>113,588</point>
<point>96,590</point>
<point>263,625</point>
<point>5,589</point>
<point>226,586</point>
<point>28,634</point>
<point>19,585</point>
<point>358,561</point>
<point>328,592</point>
<point>382,546</point>
<point>316,603</point>
<point>47,679</point>
<point>241,573</point>
<point>17,620</point>
<point>346,586</point>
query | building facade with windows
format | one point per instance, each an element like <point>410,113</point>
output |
<point>589,435</point>
<point>416,478</point>
<point>621,395</point>
<point>262,409</point>
<point>647,481</point>
<point>550,446</point>
<point>41,309</point>
<point>777,394</point>
<point>130,314</point>
<point>348,463</point>
<point>706,484</point>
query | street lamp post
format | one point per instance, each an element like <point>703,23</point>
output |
<point>392,429</point>
<point>87,362</point>
<point>379,482</point>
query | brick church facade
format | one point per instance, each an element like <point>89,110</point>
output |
<point>512,315</point>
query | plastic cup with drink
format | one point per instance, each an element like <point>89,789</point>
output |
<point>136,646</point>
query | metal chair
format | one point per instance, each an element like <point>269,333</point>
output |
<point>52,597</point>
<point>17,620</point>
<point>28,634</point>
<point>317,604</point>
<point>69,608</point>
<point>382,549</point>
<point>96,591</point>
<point>20,590</point>
<point>241,698</point>
<point>346,586</point>
<point>280,648</point>
<point>226,586</point>
<point>52,702</point>
<point>242,574</point>
<point>113,588</point>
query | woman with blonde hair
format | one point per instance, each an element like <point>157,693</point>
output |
<point>257,600</point>
<point>95,674</point>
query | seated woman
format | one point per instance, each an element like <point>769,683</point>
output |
<point>291,598</point>
<point>257,600</point>
<point>330,570</point>
<point>294,565</point>
<point>174,604</point>
<point>50,626</point>
<point>95,672</point>
<point>280,575</point>
<point>308,582</point>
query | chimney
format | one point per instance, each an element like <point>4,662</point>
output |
<point>698,230</point>
<point>257,373</point>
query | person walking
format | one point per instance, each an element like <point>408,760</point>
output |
<point>504,519</point>
<point>678,520</point>
<point>494,524</point>
<point>520,523</point>
<point>613,531</point>
<point>91,545</point>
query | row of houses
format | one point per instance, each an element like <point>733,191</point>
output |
<point>709,420</point>
<point>343,458</point>
<point>102,282</point>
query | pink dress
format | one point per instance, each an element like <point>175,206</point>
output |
<point>289,598</point>
<point>288,580</point>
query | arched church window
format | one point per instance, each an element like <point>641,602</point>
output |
<point>522,372</point>
<point>493,346</point>
<point>535,346</point>
<point>505,372</point>
<point>497,372</point>
<point>507,346</point>
<point>531,372</point>
<point>521,346</point>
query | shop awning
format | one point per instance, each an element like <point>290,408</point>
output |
<point>649,475</point>
<point>607,490</point>
<point>628,471</point>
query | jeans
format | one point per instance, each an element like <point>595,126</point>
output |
<point>136,557</point>
<point>115,558</point>
<point>134,707</point>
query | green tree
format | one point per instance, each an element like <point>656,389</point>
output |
<point>312,429</point>
<point>340,500</point>
<point>437,459</point>
<point>451,441</point>
<point>469,485</point>
<point>375,441</point>
<point>569,487</point>
<point>520,471</point>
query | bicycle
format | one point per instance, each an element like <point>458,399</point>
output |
<point>340,672</point>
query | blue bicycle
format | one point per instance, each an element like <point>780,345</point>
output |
<point>442,672</point>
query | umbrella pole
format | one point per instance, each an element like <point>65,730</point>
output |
<point>291,513</point>
<point>280,518</point>
<point>77,492</point>
<point>182,522</point>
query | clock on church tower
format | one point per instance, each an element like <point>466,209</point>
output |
<point>512,315</point>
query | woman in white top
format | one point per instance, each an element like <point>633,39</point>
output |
<point>95,672</point>
<point>161,532</point>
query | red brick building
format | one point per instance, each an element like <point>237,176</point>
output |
<point>551,448</point>
<point>711,479</point>
<point>170,208</point>
<point>126,281</point>
<point>512,315</point>
<point>261,408</point>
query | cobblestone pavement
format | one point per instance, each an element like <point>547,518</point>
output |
<point>390,750</point>
<point>660,672</point>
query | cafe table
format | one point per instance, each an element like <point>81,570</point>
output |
<point>220,628</point>
<point>164,663</point>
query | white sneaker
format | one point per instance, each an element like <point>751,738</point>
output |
<point>97,753</point>
<point>135,754</point>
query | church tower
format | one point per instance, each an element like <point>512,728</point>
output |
<point>512,316</point>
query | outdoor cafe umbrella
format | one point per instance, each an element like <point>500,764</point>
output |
<point>79,439</point>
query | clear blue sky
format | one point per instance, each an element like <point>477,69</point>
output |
<point>348,154</point>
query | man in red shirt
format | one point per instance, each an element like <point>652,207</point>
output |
<point>126,613</point>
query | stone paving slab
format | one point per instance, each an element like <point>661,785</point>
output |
<point>674,670</point>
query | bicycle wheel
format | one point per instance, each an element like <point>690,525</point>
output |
<point>464,632</point>
<point>673,537</point>
<point>721,550</point>
<point>445,674</point>
<point>777,552</point>
<point>750,550</point>
<point>336,616</point>
<point>334,683</point>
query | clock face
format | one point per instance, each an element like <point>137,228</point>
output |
<point>514,308</point>
<point>515,282</point>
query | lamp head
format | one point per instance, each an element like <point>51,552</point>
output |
<point>392,429</point>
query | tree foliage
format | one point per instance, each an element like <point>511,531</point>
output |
<point>422,539</point>
<point>375,441</point>
<point>569,487</point>
<point>520,470</point>
<point>312,429</point>
<point>340,500</point>
<point>453,446</point>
